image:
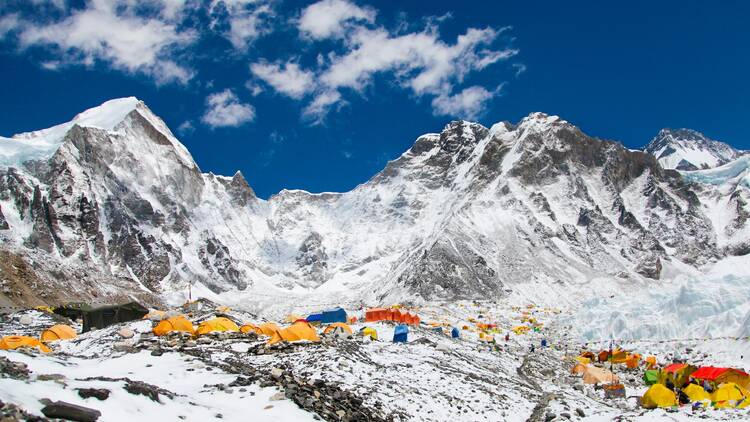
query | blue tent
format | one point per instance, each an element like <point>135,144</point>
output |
<point>544,342</point>
<point>455,333</point>
<point>333,315</point>
<point>437,329</point>
<point>314,317</point>
<point>399,335</point>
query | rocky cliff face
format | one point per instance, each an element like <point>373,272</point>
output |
<point>469,212</point>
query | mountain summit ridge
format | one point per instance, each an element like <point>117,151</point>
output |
<point>468,212</point>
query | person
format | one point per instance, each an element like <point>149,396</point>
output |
<point>532,348</point>
<point>507,336</point>
<point>544,342</point>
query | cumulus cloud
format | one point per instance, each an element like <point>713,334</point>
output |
<point>330,18</point>
<point>469,103</point>
<point>287,79</point>
<point>8,23</point>
<point>224,109</point>
<point>186,128</point>
<point>241,21</point>
<point>112,32</point>
<point>318,109</point>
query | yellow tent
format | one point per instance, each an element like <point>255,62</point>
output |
<point>619,356</point>
<point>658,396</point>
<point>583,360</point>
<point>340,325</point>
<point>369,332</point>
<point>594,375</point>
<point>696,393</point>
<point>216,324</point>
<point>247,328</point>
<point>268,329</point>
<point>578,368</point>
<point>174,324</point>
<point>58,332</point>
<point>296,332</point>
<point>14,342</point>
<point>521,329</point>
<point>728,395</point>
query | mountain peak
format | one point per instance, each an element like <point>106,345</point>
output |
<point>688,149</point>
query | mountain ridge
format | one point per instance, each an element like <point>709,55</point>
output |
<point>468,212</point>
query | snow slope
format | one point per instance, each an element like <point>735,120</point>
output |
<point>686,149</point>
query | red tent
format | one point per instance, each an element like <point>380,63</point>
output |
<point>376,314</point>
<point>711,373</point>
<point>674,367</point>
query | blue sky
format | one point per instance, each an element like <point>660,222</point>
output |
<point>319,95</point>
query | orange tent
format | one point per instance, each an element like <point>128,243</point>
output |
<point>58,332</point>
<point>14,342</point>
<point>298,331</point>
<point>219,324</point>
<point>247,328</point>
<point>174,324</point>
<point>376,314</point>
<point>651,362</point>
<point>346,328</point>
<point>632,361</point>
<point>603,356</point>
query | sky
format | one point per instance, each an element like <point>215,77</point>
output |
<point>320,95</point>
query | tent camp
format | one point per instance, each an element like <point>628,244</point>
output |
<point>400,334</point>
<point>333,315</point>
<point>658,396</point>
<point>14,342</point>
<point>721,375</point>
<point>677,373</point>
<point>339,329</point>
<point>219,324</point>
<point>103,316</point>
<point>369,332</point>
<point>174,324</point>
<point>58,332</point>
<point>594,375</point>
<point>298,331</point>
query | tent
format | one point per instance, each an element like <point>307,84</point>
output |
<point>583,360</point>
<point>594,375</point>
<point>722,375</point>
<point>651,362</point>
<point>632,361</point>
<point>219,324</point>
<point>58,332</point>
<point>588,354</point>
<point>376,314</point>
<point>103,316</point>
<point>651,377</point>
<point>14,342</point>
<point>369,332</point>
<point>696,393</point>
<point>312,318</point>
<point>728,395</point>
<point>400,334</point>
<point>339,328</point>
<point>268,329</point>
<point>619,356</point>
<point>174,324</point>
<point>603,356</point>
<point>455,333</point>
<point>677,373</point>
<point>333,315</point>
<point>438,330</point>
<point>298,331</point>
<point>578,368</point>
<point>658,396</point>
<point>249,328</point>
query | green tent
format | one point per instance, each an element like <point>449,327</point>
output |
<point>651,377</point>
<point>104,316</point>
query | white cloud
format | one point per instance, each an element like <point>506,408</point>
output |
<point>520,68</point>
<point>469,103</point>
<point>329,18</point>
<point>186,128</point>
<point>317,110</point>
<point>8,23</point>
<point>225,109</point>
<point>287,79</point>
<point>246,20</point>
<point>111,32</point>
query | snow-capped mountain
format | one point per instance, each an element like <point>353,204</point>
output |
<point>686,149</point>
<point>113,203</point>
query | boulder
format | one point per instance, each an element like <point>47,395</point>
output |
<point>71,412</point>
<point>126,332</point>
